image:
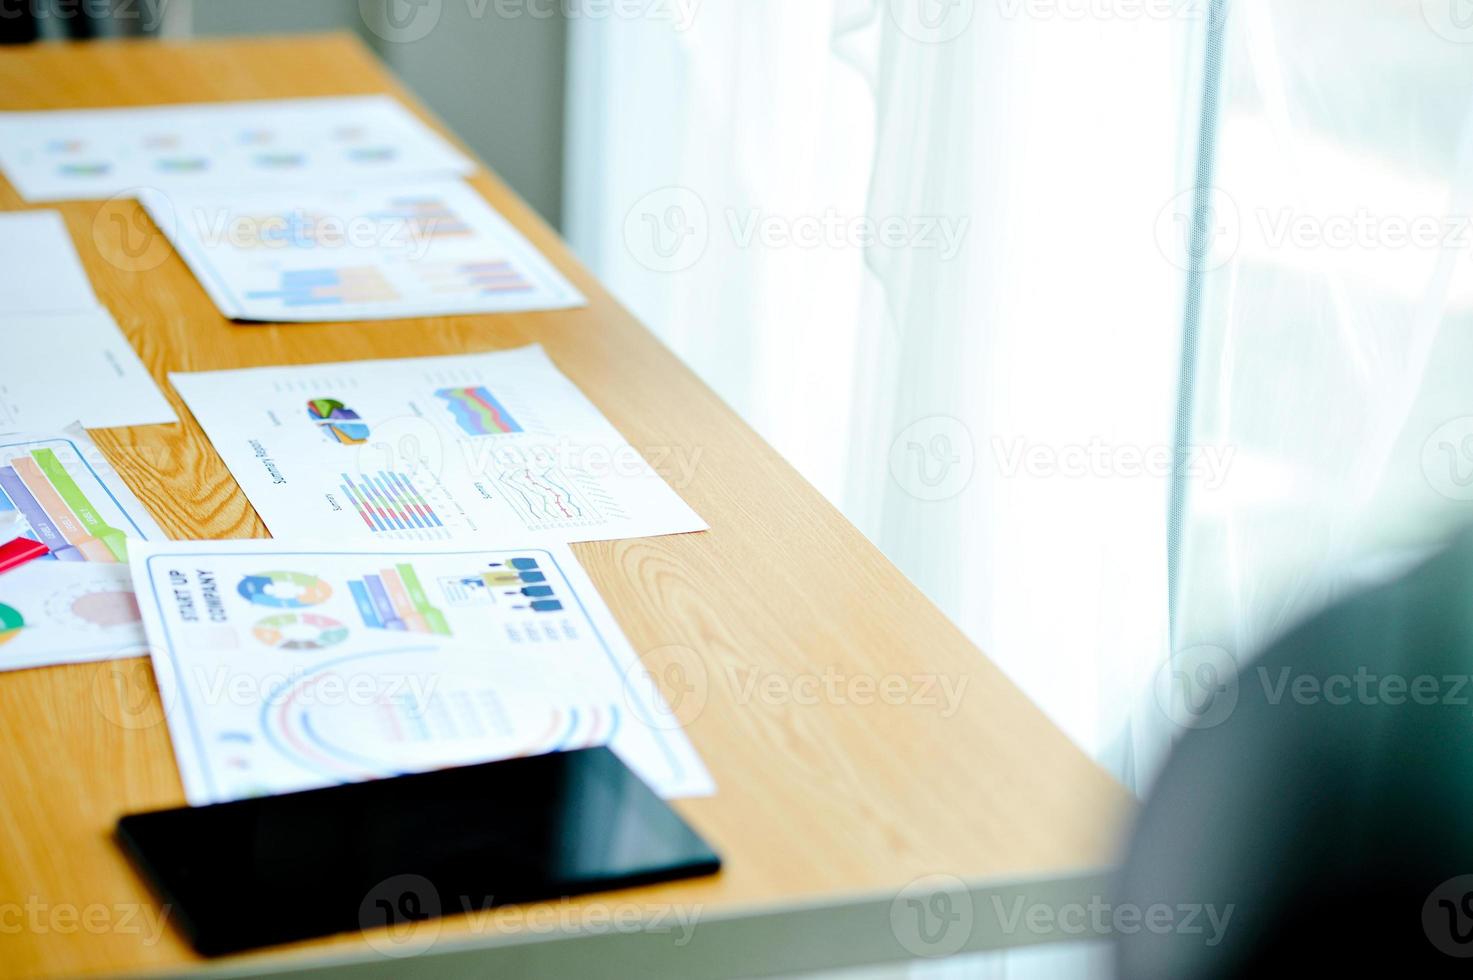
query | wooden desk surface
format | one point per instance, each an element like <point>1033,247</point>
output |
<point>853,793</point>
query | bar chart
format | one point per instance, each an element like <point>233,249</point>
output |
<point>395,599</point>
<point>389,501</point>
<point>329,287</point>
<point>59,514</point>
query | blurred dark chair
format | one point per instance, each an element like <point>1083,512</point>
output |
<point>18,25</point>
<point>1336,818</point>
<point>33,20</point>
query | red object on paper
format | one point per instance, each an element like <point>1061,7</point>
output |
<point>16,553</point>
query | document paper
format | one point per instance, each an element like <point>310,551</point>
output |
<point>70,499</point>
<point>90,154</point>
<point>62,358</point>
<point>459,449</point>
<point>283,668</point>
<point>75,604</point>
<point>357,253</point>
<point>55,612</point>
<point>41,270</point>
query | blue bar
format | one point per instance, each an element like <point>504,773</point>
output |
<point>393,496</point>
<point>310,277</point>
<point>365,605</point>
<point>420,497</point>
<point>360,503</point>
<point>369,492</point>
<point>381,600</point>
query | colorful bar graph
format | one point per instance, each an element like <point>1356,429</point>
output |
<point>485,277</point>
<point>389,502</point>
<point>97,529</point>
<point>426,218</point>
<point>395,599</point>
<point>325,287</point>
<point>58,512</point>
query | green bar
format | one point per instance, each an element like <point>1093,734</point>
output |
<point>66,487</point>
<point>438,622</point>
<point>412,587</point>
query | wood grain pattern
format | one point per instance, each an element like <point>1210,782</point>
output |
<point>816,799</point>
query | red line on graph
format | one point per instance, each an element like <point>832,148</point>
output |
<point>557,498</point>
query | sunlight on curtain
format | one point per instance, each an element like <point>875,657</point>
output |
<point>1337,319</point>
<point>917,246</point>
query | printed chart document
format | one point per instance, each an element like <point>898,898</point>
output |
<point>56,368</point>
<point>41,270</point>
<point>91,154</point>
<point>70,500</point>
<point>357,253</point>
<point>459,449</point>
<point>284,668</point>
<point>56,612</point>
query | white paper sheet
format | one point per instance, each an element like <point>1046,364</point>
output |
<point>285,668</point>
<point>357,253</point>
<point>62,357</point>
<point>56,368</point>
<point>57,612</point>
<point>461,449</point>
<point>69,498</point>
<point>39,269</point>
<point>91,154</point>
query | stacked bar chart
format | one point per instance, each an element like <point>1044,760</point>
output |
<point>59,514</point>
<point>395,599</point>
<point>327,287</point>
<point>484,277</point>
<point>424,218</point>
<point>389,501</point>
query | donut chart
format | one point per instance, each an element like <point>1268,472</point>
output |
<point>283,590</point>
<point>300,631</point>
<point>11,623</point>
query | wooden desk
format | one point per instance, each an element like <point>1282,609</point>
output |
<point>828,807</point>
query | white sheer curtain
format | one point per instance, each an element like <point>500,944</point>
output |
<point>919,246</point>
<point>1337,321</point>
<point>992,407</point>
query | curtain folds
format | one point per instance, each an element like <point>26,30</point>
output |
<point>918,246</point>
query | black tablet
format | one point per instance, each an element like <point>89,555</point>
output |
<point>282,868</point>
